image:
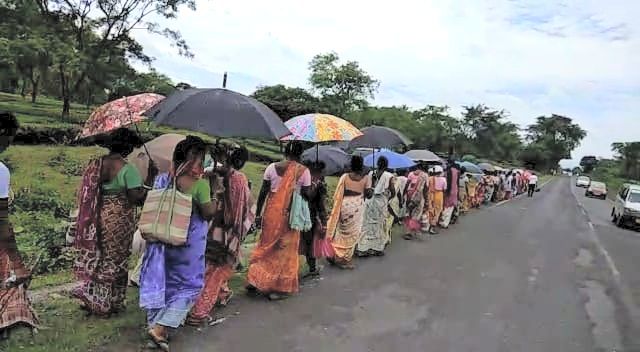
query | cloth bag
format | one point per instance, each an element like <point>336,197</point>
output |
<point>299,214</point>
<point>166,216</point>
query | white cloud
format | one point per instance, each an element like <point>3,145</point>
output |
<point>530,57</point>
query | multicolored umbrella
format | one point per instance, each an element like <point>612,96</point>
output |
<point>318,128</point>
<point>119,113</point>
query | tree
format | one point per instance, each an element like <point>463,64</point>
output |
<point>557,135</point>
<point>136,83</point>
<point>98,33</point>
<point>287,102</point>
<point>440,131</point>
<point>344,88</point>
<point>629,154</point>
<point>490,135</point>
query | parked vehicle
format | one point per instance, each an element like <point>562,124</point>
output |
<point>626,208</point>
<point>596,189</point>
<point>583,181</point>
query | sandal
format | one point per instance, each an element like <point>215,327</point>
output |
<point>277,296</point>
<point>160,342</point>
<point>408,237</point>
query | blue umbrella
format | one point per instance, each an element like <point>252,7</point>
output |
<point>396,161</point>
<point>471,167</point>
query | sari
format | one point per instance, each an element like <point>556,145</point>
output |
<point>171,278</point>
<point>415,201</point>
<point>105,228</point>
<point>345,223</point>
<point>274,263</point>
<point>223,246</point>
<point>463,204</point>
<point>15,307</point>
<point>451,197</point>
<point>375,231</point>
<point>436,202</point>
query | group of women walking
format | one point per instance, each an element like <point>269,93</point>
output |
<point>183,284</point>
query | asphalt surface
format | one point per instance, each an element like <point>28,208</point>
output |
<point>528,275</point>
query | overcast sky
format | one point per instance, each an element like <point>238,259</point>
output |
<point>530,57</point>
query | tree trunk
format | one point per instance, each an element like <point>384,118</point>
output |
<point>64,88</point>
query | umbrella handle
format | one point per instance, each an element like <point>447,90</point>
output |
<point>135,125</point>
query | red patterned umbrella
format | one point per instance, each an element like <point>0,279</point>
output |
<point>119,113</point>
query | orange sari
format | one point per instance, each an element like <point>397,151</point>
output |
<point>273,267</point>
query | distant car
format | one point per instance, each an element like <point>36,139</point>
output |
<point>626,208</point>
<point>596,189</point>
<point>583,181</point>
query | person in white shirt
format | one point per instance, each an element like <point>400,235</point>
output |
<point>533,183</point>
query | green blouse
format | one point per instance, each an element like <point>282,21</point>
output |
<point>128,178</point>
<point>201,191</point>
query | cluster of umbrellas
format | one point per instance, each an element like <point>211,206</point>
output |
<point>224,113</point>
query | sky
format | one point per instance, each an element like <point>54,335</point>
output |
<point>579,59</point>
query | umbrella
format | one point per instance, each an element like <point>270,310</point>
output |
<point>321,128</point>
<point>379,136</point>
<point>218,112</point>
<point>335,159</point>
<point>396,161</point>
<point>119,113</point>
<point>423,155</point>
<point>486,167</point>
<point>470,167</point>
<point>161,152</point>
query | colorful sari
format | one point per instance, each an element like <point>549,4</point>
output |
<point>105,228</point>
<point>415,201</point>
<point>171,277</point>
<point>223,247</point>
<point>451,197</point>
<point>274,263</point>
<point>375,229</point>
<point>345,223</point>
<point>15,307</point>
<point>436,202</point>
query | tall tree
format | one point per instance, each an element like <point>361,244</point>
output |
<point>558,135</point>
<point>343,87</point>
<point>99,34</point>
<point>629,154</point>
<point>288,102</point>
<point>490,134</point>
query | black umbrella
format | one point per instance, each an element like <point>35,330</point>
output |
<point>218,112</point>
<point>335,159</point>
<point>379,136</point>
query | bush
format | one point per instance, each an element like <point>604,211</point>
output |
<point>41,200</point>
<point>62,163</point>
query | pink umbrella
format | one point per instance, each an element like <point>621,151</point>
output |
<point>119,113</point>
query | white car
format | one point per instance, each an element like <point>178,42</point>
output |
<point>626,208</point>
<point>583,181</point>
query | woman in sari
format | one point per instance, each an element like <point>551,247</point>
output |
<point>110,192</point>
<point>375,237</point>
<point>15,307</point>
<point>172,277</point>
<point>450,195</point>
<point>226,235</point>
<point>463,206</point>
<point>345,222</point>
<point>416,194</point>
<point>274,263</point>
<point>318,212</point>
<point>437,186</point>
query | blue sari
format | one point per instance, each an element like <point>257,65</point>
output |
<point>171,277</point>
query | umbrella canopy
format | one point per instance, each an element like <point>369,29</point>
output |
<point>486,167</point>
<point>396,161</point>
<point>321,128</point>
<point>423,155</point>
<point>379,136</point>
<point>335,159</point>
<point>471,167</point>
<point>119,113</point>
<point>218,112</point>
<point>161,151</point>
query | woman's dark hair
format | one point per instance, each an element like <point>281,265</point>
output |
<point>238,157</point>
<point>294,150</point>
<point>121,141</point>
<point>383,163</point>
<point>8,124</point>
<point>191,145</point>
<point>357,163</point>
<point>317,166</point>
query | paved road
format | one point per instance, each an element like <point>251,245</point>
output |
<point>529,275</point>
